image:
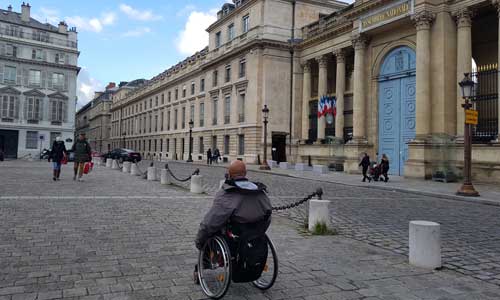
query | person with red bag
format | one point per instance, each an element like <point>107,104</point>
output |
<point>82,151</point>
<point>57,154</point>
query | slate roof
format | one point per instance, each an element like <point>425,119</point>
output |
<point>15,18</point>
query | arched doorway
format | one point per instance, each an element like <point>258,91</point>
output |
<point>397,106</point>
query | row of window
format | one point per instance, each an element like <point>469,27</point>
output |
<point>36,54</point>
<point>33,78</point>
<point>156,145</point>
<point>144,124</point>
<point>33,112</point>
<point>33,138</point>
<point>160,99</point>
<point>245,27</point>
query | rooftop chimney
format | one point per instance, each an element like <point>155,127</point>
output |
<point>63,27</point>
<point>25,12</point>
<point>9,7</point>
<point>110,86</point>
<point>97,94</point>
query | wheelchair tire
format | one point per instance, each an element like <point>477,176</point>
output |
<point>214,255</point>
<point>266,281</point>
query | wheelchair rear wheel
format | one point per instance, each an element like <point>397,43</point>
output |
<point>270,272</point>
<point>214,267</point>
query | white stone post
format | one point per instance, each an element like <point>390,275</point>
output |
<point>134,170</point>
<point>196,184</point>
<point>126,167</point>
<point>109,162</point>
<point>115,165</point>
<point>151,174</point>
<point>164,177</point>
<point>319,213</point>
<point>425,244</point>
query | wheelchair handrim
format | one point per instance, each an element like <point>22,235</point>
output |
<point>222,246</point>
<point>266,284</point>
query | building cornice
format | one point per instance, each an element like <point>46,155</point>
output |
<point>40,63</point>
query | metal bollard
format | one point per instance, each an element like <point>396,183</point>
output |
<point>126,167</point>
<point>319,212</point>
<point>196,184</point>
<point>425,244</point>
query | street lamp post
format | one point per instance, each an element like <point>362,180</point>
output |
<point>265,115</point>
<point>191,125</point>
<point>467,189</point>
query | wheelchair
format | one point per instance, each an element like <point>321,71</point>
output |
<point>218,264</point>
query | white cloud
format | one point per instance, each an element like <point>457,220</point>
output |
<point>144,15</point>
<point>137,32</point>
<point>47,15</point>
<point>86,87</point>
<point>92,24</point>
<point>194,36</point>
<point>185,10</point>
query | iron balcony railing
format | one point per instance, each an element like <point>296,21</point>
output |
<point>36,36</point>
<point>485,101</point>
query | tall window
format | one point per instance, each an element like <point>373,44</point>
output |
<point>58,81</point>
<point>161,121</point>
<point>215,78</point>
<point>169,96</point>
<point>31,139</point>
<point>9,107</point>
<point>156,123</point>
<point>35,77</point>
<point>168,120</point>
<point>226,144</point>
<point>214,143</point>
<point>184,92</point>
<point>227,109</point>
<point>11,50</point>
<point>202,114</point>
<point>162,99</point>
<point>183,125</point>
<point>201,148</point>
<point>228,73</point>
<point>217,39</point>
<point>33,108</point>
<point>246,23</point>
<point>176,94</point>
<point>202,85</point>
<point>191,113</point>
<point>243,68</point>
<point>192,87</point>
<point>214,111</point>
<point>175,119</point>
<point>58,110</point>
<point>241,108</point>
<point>10,75</point>
<point>241,144</point>
<point>60,58</point>
<point>168,145</point>
<point>156,101</point>
<point>230,32</point>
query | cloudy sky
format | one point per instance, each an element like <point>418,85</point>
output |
<point>129,39</point>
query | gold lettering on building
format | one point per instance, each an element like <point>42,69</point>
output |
<point>385,15</point>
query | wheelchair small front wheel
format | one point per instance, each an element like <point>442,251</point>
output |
<point>270,272</point>
<point>214,267</point>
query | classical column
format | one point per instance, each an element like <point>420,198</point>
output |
<point>322,91</point>
<point>423,21</point>
<point>306,95</point>
<point>340,89</point>
<point>464,61</point>
<point>359,112</point>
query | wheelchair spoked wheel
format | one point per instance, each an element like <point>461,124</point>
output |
<point>214,268</point>
<point>270,272</point>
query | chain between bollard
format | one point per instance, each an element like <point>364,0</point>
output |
<point>196,172</point>
<point>319,193</point>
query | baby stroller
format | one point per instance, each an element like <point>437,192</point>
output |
<point>375,171</point>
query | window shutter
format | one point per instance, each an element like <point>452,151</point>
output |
<point>65,111</point>
<point>25,77</point>
<point>16,107</point>
<point>44,78</point>
<point>19,76</point>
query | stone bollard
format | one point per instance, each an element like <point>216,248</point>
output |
<point>425,244</point>
<point>164,178</point>
<point>134,170</point>
<point>319,213</point>
<point>196,184</point>
<point>115,165</point>
<point>320,169</point>
<point>302,167</point>
<point>126,167</point>
<point>99,162</point>
<point>109,162</point>
<point>221,183</point>
<point>151,174</point>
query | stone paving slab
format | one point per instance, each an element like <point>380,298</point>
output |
<point>84,244</point>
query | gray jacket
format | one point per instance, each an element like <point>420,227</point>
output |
<point>238,201</point>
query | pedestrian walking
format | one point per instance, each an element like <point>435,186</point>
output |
<point>216,155</point>
<point>57,155</point>
<point>384,165</point>
<point>365,163</point>
<point>82,151</point>
<point>209,156</point>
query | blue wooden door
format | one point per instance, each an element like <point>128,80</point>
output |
<point>397,107</point>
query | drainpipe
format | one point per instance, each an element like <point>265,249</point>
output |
<point>292,43</point>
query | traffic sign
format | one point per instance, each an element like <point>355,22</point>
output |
<point>471,116</point>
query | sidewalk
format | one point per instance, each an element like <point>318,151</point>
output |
<point>490,194</point>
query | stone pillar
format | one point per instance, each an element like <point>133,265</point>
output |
<point>423,21</point>
<point>322,91</point>
<point>306,95</point>
<point>340,89</point>
<point>359,103</point>
<point>464,61</point>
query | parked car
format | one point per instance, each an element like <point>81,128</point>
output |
<point>122,155</point>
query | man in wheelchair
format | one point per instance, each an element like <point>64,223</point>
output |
<point>242,210</point>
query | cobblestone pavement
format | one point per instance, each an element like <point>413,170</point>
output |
<point>470,231</point>
<point>115,236</point>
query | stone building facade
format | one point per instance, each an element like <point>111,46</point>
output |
<point>222,88</point>
<point>394,68</point>
<point>38,70</point>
